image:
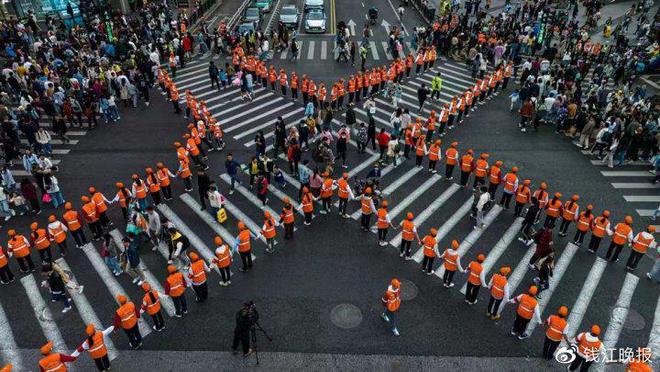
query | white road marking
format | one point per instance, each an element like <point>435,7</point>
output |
<point>374,50</point>
<point>645,212</point>
<point>246,112</point>
<point>635,185</point>
<point>584,298</point>
<point>267,124</point>
<point>411,197</point>
<point>310,50</point>
<point>654,337</point>
<point>8,347</point>
<point>324,50</point>
<point>255,119</point>
<point>44,315</point>
<point>626,174</point>
<point>642,198</point>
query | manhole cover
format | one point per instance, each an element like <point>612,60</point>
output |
<point>409,290</point>
<point>346,316</point>
<point>634,321</point>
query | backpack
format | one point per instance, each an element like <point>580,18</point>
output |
<point>607,137</point>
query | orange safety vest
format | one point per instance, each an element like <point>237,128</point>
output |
<point>393,305</point>
<point>307,203</point>
<point>621,232</point>
<point>599,226</point>
<point>152,306</point>
<point>198,273</point>
<point>554,208</point>
<point>90,212</point>
<point>41,239</point>
<point>140,191</point>
<point>497,289</point>
<point>584,223</point>
<point>3,258</point>
<point>429,244</point>
<point>98,349</point>
<point>19,246</point>
<point>184,171</point>
<point>269,228</point>
<point>641,244</point>
<point>72,220</point>
<point>495,174</point>
<point>287,215</point>
<point>244,241</point>
<point>382,219</point>
<point>475,273</point>
<point>542,197</point>
<point>451,260</point>
<point>58,233</point>
<point>434,152</point>
<point>177,284</point>
<point>52,363</point>
<point>97,198</point>
<point>152,182</point>
<point>366,205</point>
<point>569,210</point>
<point>526,306</point>
<point>588,348</point>
<point>342,188</point>
<point>223,260</point>
<point>510,182</point>
<point>408,230</point>
<point>481,167</point>
<point>556,325</point>
<point>452,156</point>
<point>126,313</point>
<point>522,195</point>
<point>326,189</point>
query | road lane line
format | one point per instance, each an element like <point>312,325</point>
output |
<point>584,298</point>
<point>626,174</point>
<point>359,168</point>
<point>44,315</point>
<point>635,185</point>
<point>499,248</point>
<point>231,128</point>
<point>411,197</point>
<point>642,198</point>
<point>393,187</point>
<point>388,55</point>
<point>310,50</point>
<point>111,282</point>
<point>374,50</point>
<point>261,116</point>
<point>238,106</point>
<point>8,347</point>
<point>324,50</point>
<point>472,237</point>
<point>86,312</point>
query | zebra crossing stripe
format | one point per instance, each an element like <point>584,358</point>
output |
<point>458,70</point>
<point>54,142</point>
<point>241,105</point>
<point>388,55</point>
<point>191,65</point>
<point>635,185</point>
<point>392,187</point>
<point>281,195</point>
<point>193,81</point>
<point>584,298</point>
<point>8,347</point>
<point>645,212</point>
<point>43,314</point>
<point>474,235</point>
<point>557,274</point>
<point>642,198</point>
<point>310,49</point>
<point>374,50</point>
<point>198,82</point>
<point>166,301</point>
<point>324,50</point>
<point>376,118</point>
<point>618,316</point>
<point>654,337</point>
<point>359,168</point>
<point>428,212</point>
<point>267,124</point>
<point>111,282</point>
<point>626,174</point>
<point>519,272</point>
<point>233,210</point>
<point>499,248</point>
<point>403,204</point>
<point>249,111</point>
<point>199,67</point>
<point>284,53</point>
<point>87,313</point>
<point>261,116</point>
<point>248,195</point>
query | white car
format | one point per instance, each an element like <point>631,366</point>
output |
<point>315,21</point>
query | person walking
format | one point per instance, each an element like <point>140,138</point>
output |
<point>132,266</point>
<point>544,246</point>
<point>53,361</point>
<point>56,285</point>
<point>422,95</point>
<point>392,301</point>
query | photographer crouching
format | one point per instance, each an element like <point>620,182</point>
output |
<point>245,332</point>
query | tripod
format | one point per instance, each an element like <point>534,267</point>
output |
<point>253,336</point>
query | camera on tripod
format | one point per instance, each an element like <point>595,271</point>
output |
<point>250,316</point>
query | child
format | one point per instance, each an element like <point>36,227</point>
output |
<point>515,96</point>
<point>222,75</point>
<point>279,177</point>
<point>19,203</point>
<point>109,254</point>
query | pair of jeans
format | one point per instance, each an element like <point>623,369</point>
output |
<point>113,264</point>
<point>59,296</point>
<point>57,198</point>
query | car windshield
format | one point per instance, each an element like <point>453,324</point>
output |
<point>289,11</point>
<point>245,27</point>
<point>252,13</point>
<point>315,15</point>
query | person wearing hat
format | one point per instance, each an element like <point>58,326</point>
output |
<point>510,187</point>
<point>430,250</point>
<point>642,242</point>
<point>589,348</point>
<point>495,178</point>
<point>583,224</point>
<point>19,247</point>
<point>53,361</point>
<point>74,222</point>
<point>57,234</point>
<point>124,198</point>
<point>599,229</point>
<point>367,208</point>
<point>569,214</point>
<point>269,232</point>
<point>91,217</point>
<point>39,239</point>
<point>623,234</point>
<point>127,316</point>
<point>408,234</point>
<point>101,203</point>
<point>451,159</point>
<point>243,245</point>
<point>222,260</point>
<point>151,304</point>
<point>452,263</point>
<point>554,332</point>
<point>175,287</point>
<point>6,276</point>
<point>197,276</point>
<point>553,210</point>
<point>55,282</point>
<point>499,292</point>
<point>384,222</point>
<point>476,278</point>
<point>287,218</point>
<point>392,301</point>
<point>95,345</point>
<point>528,310</point>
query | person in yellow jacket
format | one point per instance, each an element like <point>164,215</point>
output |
<point>391,301</point>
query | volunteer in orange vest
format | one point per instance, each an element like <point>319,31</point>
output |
<point>95,345</point>
<point>123,197</point>
<point>583,224</point>
<point>163,174</point>
<point>495,177</point>
<point>175,287</point>
<point>430,250</point>
<point>391,301</point>
<point>151,305</point>
<point>73,221</point>
<point>19,247</point>
<point>268,231</point>
<point>7,368</point>
<point>197,276</point>
<point>91,217</point>
<point>542,196</point>
<point>345,194</point>
<point>476,279</point>
<point>642,242</point>
<point>523,197</point>
<point>510,187</point>
<point>39,239</point>
<point>53,362</point>
<point>451,160</point>
<point>127,316</point>
<point>57,234</point>
<point>294,86</point>
<point>153,184</point>
<point>6,276</point>
<point>288,218</point>
<point>243,245</point>
<point>528,310</point>
<point>638,364</point>
<point>480,170</point>
<point>222,260</point>
<point>420,150</point>
<point>452,263</point>
<point>589,348</point>
<point>307,205</point>
<point>553,210</point>
<point>569,214</point>
<point>101,206</point>
<point>326,192</point>
<point>434,155</point>
<point>499,292</point>
<point>600,227</point>
<point>554,332</point>
<point>383,223</point>
<point>367,208</point>
<point>623,234</point>
<point>408,234</point>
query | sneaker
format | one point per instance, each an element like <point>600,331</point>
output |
<point>135,280</point>
<point>648,275</point>
<point>401,254</point>
<point>81,288</point>
<point>66,309</point>
<point>451,285</point>
<point>408,258</point>
<point>231,192</point>
<point>430,272</point>
<point>385,317</point>
<point>248,353</point>
<point>396,332</point>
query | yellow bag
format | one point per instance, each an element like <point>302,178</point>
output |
<point>221,216</point>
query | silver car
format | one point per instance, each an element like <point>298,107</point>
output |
<point>315,21</point>
<point>289,16</point>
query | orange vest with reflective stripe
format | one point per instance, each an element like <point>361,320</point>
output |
<point>366,205</point>
<point>269,231</point>
<point>588,348</point>
<point>526,306</point>
<point>58,233</point>
<point>429,244</point>
<point>52,363</point>
<point>97,198</point>
<point>522,195</point>
<point>342,189</point>
<point>152,306</point>
<point>163,177</point>
<point>244,241</point>
<point>641,244</point>
<point>495,174</point>
<point>451,260</point>
<point>307,203</point>
<point>72,220</point>
<point>569,212</point>
<point>19,246</point>
<point>197,272</point>
<point>599,225</point>
<point>382,219</point>
<point>481,166</point>
<point>153,183</point>
<point>554,208</point>
<point>223,259</point>
<point>407,232</point>
<point>3,258</point>
<point>510,182</point>
<point>41,239</point>
<point>475,273</point>
<point>497,289</point>
<point>98,349</point>
<point>621,232</point>
<point>434,152</point>
<point>556,325</point>
<point>326,189</point>
<point>126,313</point>
<point>287,215</point>
<point>89,211</point>
<point>452,156</point>
<point>140,191</point>
<point>177,284</point>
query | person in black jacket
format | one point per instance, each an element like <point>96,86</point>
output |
<point>56,285</point>
<point>245,320</point>
<point>528,222</point>
<point>213,75</point>
<point>203,185</point>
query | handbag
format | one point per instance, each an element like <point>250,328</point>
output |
<point>46,198</point>
<point>221,216</point>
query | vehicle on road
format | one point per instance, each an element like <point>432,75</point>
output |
<point>315,21</point>
<point>264,5</point>
<point>253,15</point>
<point>313,4</point>
<point>246,28</point>
<point>289,16</point>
